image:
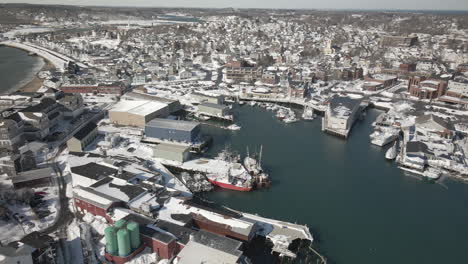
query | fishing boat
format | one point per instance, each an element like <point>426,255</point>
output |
<point>233,127</point>
<point>308,113</point>
<point>236,179</point>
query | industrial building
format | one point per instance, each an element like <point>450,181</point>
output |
<point>340,115</point>
<point>175,152</point>
<point>83,138</point>
<point>172,130</point>
<point>213,109</point>
<point>174,105</point>
<point>137,113</point>
<point>208,98</point>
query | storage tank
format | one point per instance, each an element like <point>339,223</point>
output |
<point>111,240</point>
<point>123,241</point>
<point>134,230</point>
<point>120,224</point>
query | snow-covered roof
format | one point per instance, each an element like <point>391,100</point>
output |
<point>138,107</point>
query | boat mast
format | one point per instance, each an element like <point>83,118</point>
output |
<point>260,156</point>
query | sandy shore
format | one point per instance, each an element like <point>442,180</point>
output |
<point>36,83</point>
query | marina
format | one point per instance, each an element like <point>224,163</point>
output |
<point>326,171</point>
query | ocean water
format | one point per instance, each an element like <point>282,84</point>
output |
<point>17,68</point>
<point>360,207</point>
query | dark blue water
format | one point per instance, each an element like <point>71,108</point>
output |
<point>360,207</point>
<point>17,68</point>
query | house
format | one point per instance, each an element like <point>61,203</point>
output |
<point>185,74</point>
<point>81,139</point>
<point>73,105</point>
<point>11,133</point>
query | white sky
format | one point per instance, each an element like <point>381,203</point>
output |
<point>293,4</point>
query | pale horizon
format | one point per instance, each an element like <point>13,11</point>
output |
<point>365,5</point>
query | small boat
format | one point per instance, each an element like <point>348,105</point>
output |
<point>391,152</point>
<point>308,114</point>
<point>432,174</point>
<point>281,114</point>
<point>233,127</point>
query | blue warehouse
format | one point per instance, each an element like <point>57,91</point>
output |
<point>174,130</point>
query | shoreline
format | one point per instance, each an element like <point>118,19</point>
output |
<point>36,83</point>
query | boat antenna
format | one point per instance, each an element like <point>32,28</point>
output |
<point>248,151</point>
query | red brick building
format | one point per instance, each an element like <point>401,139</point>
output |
<point>426,88</point>
<point>379,81</point>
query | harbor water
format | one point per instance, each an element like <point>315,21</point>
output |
<point>360,207</point>
<point>17,68</point>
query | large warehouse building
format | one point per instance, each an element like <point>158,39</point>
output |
<point>173,130</point>
<point>137,113</point>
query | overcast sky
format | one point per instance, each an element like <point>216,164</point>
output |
<point>293,4</point>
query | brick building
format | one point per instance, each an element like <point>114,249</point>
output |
<point>426,88</point>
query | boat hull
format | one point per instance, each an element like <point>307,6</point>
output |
<point>230,186</point>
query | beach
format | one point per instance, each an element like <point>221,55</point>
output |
<point>36,83</point>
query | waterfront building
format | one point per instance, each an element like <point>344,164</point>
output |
<point>173,105</point>
<point>173,130</point>
<point>208,98</point>
<point>137,112</point>
<point>174,152</point>
<point>213,109</point>
<point>340,115</point>
<point>81,139</point>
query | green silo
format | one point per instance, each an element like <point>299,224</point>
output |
<point>123,241</point>
<point>120,224</point>
<point>134,231</point>
<point>111,240</point>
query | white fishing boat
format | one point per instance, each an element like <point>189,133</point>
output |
<point>391,152</point>
<point>308,114</point>
<point>432,173</point>
<point>382,138</point>
<point>233,127</point>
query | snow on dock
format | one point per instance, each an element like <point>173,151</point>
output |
<point>282,234</point>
